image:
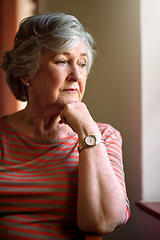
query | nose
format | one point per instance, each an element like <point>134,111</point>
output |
<point>74,73</point>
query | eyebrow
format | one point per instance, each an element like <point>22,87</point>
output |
<point>81,54</point>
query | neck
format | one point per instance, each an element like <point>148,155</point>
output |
<point>39,125</point>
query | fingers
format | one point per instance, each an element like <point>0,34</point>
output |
<point>63,120</point>
<point>76,115</point>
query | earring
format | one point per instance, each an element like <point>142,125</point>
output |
<point>28,84</point>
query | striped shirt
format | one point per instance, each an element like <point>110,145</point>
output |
<point>38,184</point>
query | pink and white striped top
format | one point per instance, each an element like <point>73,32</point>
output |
<point>38,184</point>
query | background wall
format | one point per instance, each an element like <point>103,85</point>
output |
<point>113,91</point>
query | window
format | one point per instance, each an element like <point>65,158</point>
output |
<point>150,75</point>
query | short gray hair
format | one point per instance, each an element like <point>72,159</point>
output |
<point>55,31</point>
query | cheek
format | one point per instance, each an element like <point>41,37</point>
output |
<point>54,80</point>
<point>83,87</point>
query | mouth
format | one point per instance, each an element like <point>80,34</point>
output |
<point>70,90</point>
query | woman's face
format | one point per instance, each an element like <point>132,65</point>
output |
<point>60,78</point>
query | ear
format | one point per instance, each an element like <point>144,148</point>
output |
<point>25,79</point>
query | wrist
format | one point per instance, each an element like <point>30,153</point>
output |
<point>90,141</point>
<point>89,129</point>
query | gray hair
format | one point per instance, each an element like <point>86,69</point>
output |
<point>57,32</point>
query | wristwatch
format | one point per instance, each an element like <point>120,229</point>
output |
<point>89,141</point>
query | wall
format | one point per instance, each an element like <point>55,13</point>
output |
<point>113,91</point>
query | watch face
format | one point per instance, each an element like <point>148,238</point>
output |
<point>90,140</point>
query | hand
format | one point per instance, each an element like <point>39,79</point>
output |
<point>77,116</point>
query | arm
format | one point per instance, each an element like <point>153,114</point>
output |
<point>101,204</point>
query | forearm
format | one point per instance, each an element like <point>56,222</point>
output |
<point>101,201</point>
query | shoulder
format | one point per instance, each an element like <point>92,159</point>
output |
<point>2,121</point>
<point>109,133</point>
<point>4,126</point>
<point>105,127</point>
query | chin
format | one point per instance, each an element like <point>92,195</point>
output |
<point>70,100</point>
<point>67,100</point>
<point>61,105</point>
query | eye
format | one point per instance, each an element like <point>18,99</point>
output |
<point>61,62</point>
<point>82,63</point>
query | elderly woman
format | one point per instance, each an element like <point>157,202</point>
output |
<point>61,173</point>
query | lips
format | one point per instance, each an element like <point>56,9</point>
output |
<point>73,90</point>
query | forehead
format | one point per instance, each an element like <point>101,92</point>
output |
<point>79,50</point>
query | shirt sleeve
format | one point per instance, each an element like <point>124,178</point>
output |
<point>113,143</point>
